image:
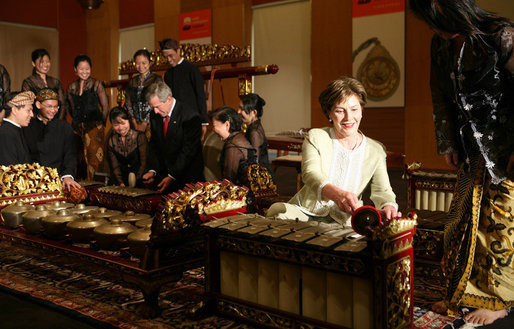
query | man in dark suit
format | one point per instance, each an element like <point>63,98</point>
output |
<point>175,146</point>
<point>13,148</point>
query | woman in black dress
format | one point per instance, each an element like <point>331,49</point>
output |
<point>40,80</point>
<point>126,149</point>
<point>237,153</point>
<point>135,101</point>
<point>88,107</point>
<point>250,110</point>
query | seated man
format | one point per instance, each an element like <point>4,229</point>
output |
<point>50,140</point>
<point>13,148</point>
<point>175,146</point>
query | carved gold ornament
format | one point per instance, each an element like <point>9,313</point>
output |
<point>197,200</point>
<point>194,53</point>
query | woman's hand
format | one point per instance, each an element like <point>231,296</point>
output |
<point>346,201</point>
<point>389,212</point>
<point>452,160</point>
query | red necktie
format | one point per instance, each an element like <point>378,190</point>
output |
<point>165,129</point>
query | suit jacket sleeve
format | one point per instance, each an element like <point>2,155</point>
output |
<point>191,146</point>
<point>153,146</point>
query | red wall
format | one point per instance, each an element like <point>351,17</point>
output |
<point>65,15</point>
<point>136,12</point>
<point>33,12</point>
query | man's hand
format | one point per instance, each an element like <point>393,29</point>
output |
<point>148,178</point>
<point>164,184</point>
<point>68,183</point>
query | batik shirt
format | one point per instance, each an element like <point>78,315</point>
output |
<point>473,98</point>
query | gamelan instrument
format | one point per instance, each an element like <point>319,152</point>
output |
<point>89,238</point>
<point>29,183</point>
<point>294,274</point>
<point>123,198</point>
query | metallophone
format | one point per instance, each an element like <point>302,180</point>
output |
<point>175,244</point>
<point>292,274</point>
<point>125,198</point>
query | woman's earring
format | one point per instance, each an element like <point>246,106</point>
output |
<point>330,120</point>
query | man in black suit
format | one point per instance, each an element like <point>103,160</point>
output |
<point>13,148</point>
<point>175,146</point>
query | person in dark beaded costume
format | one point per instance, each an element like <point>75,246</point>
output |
<point>88,107</point>
<point>237,153</point>
<point>472,82</point>
<point>250,110</point>
<point>40,80</point>
<point>127,149</point>
<point>135,100</point>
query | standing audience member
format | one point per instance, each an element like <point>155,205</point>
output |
<point>13,148</point>
<point>89,108</point>
<point>185,80</point>
<point>40,79</point>
<point>175,145</point>
<point>50,139</point>
<point>5,89</point>
<point>472,82</point>
<point>135,101</point>
<point>250,110</point>
<point>237,153</point>
<point>339,162</point>
<point>127,149</point>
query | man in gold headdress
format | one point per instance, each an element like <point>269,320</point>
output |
<point>13,148</point>
<point>50,140</point>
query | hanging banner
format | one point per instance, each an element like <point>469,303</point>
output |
<point>378,43</point>
<point>196,27</point>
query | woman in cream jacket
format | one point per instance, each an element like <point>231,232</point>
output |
<point>338,163</point>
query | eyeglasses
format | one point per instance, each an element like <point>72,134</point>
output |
<point>55,107</point>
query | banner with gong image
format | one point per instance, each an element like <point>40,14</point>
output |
<point>378,44</point>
